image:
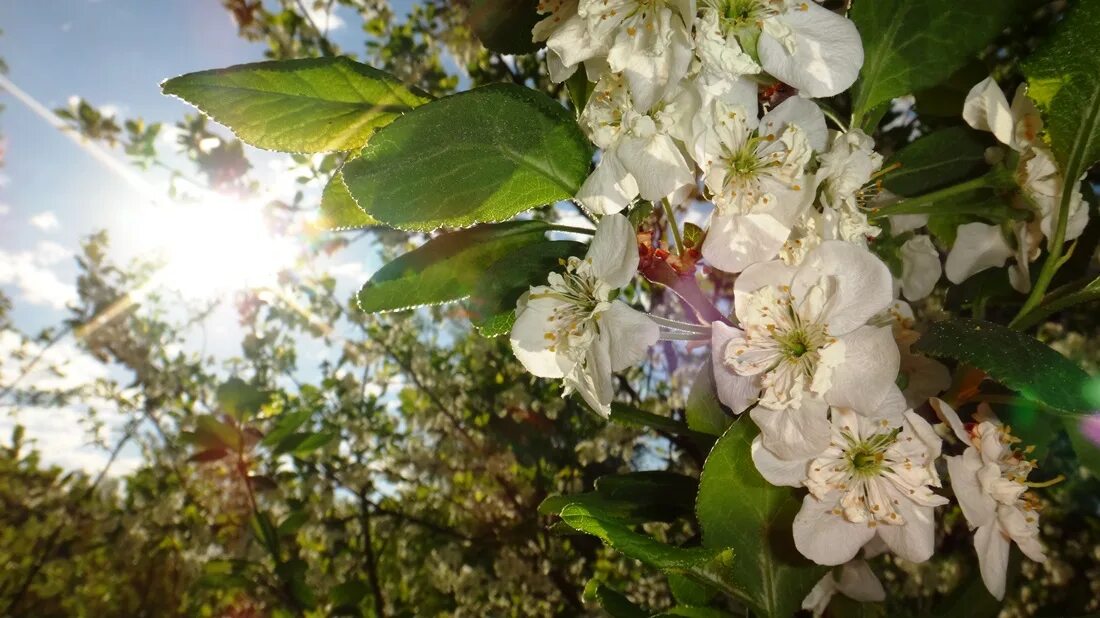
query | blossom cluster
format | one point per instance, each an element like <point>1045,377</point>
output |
<point>714,103</point>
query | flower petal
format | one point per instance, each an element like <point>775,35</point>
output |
<point>803,113</point>
<point>868,372</point>
<point>864,286</point>
<point>609,188</point>
<point>794,433</point>
<point>757,276</point>
<point>986,109</point>
<point>948,415</point>
<point>529,341</point>
<point>735,242</point>
<point>614,250</point>
<point>827,54</point>
<point>992,548</point>
<point>915,539</point>
<point>920,267</point>
<point>734,390</point>
<point>826,537</point>
<point>789,472</point>
<point>630,334</point>
<point>656,164</point>
<point>858,582</point>
<point>978,246</point>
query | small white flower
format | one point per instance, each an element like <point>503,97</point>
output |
<point>640,155</point>
<point>854,580</point>
<point>756,174</point>
<point>873,479</point>
<point>568,41</point>
<point>990,483</point>
<point>575,330</point>
<point>847,167</point>
<point>920,267</point>
<point>804,334</point>
<point>797,42</point>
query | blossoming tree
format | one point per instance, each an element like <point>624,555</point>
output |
<point>726,150</point>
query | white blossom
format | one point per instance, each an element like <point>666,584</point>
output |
<point>920,267</point>
<point>573,328</point>
<point>853,579</point>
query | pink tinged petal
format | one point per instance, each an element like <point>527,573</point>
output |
<point>1090,428</point>
<point>828,52</point>
<point>977,247</point>
<point>529,337</point>
<point>794,433</point>
<point>978,508</point>
<point>804,114</point>
<point>656,164</point>
<point>868,372</point>
<point>864,284</point>
<point>734,390</point>
<point>614,250</point>
<point>915,539</point>
<point>789,472</point>
<point>609,188</point>
<point>858,582</point>
<point>920,267</point>
<point>825,537</point>
<point>629,334</point>
<point>992,548</point>
<point>986,109</point>
<point>736,242</point>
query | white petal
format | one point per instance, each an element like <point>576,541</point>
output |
<point>920,267</point>
<point>869,370</point>
<point>800,112</point>
<point>858,582</point>
<point>817,601</point>
<point>593,379</point>
<point>864,284</point>
<point>735,242</point>
<point>656,165</point>
<point>899,224</point>
<point>948,415</point>
<point>609,188</point>
<point>630,334</point>
<point>757,276</point>
<point>992,548</point>
<point>978,246</point>
<point>986,109</point>
<point>978,507</point>
<point>794,433</point>
<point>736,391</point>
<point>828,52</point>
<point>789,472</point>
<point>826,537</point>
<point>915,539</point>
<point>529,342</point>
<point>614,250</point>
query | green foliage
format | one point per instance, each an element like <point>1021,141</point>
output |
<point>703,411</point>
<point>309,105</point>
<point>909,46</point>
<point>483,155</point>
<point>446,268</point>
<point>937,160</point>
<point>1013,359</point>
<point>338,208</point>
<point>505,25</point>
<point>738,509</point>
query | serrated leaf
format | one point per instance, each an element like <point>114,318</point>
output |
<point>913,45</point>
<point>493,300</point>
<point>307,105</point>
<point>339,210</point>
<point>446,268</point>
<point>483,155</point>
<point>504,25</point>
<point>937,160</point>
<point>1013,359</point>
<point>737,508</point>
<point>703,411</point>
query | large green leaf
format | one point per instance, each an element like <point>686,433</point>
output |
<point>937,160</point>
<point>1013,359</point>
<point>493,301</point>
<point>504,25</point>
<point>737,508</point>
<point>482,155</point>
<point>446,268</point>
<point>309,105</point>
<point>339,210</point>
<point>703,410</point>
<point>612,601</point>
<point>913,45</point>
<point>1064,79</point>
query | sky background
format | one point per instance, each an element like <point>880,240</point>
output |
<point>113,53</point>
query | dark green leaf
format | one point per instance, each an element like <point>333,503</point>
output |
<point>286,424</point>
<point>504,25</point>
<point>703,411</point>
<point>240,399</point>
<point>302,443</point>
<point>293,573</point>
<point>483,155</point>
<point>648,486</point>
<point>913,45</point>
<point>693,612</point>
<point>493,301</point>
<point>1013,359</point>
<point>292,522</point>
<point>307,105</point>
<point>349,593</point>
<point>693,236</point>
<point>633,417</point>
<point>613,602</point>
<point>579,89</point>
<point>446,268</point>
<point>687,591</point>
<point>937,160</point>
<point>737,508</point>
<point>208,455</point>
<point>212,433</point>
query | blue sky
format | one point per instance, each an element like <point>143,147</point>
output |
<point>113,53</point>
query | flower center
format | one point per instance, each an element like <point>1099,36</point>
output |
<point>867,458</point>
<point>737,14</point>
<point>582,296</point>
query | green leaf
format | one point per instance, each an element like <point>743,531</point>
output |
<point>1013,359</point>
<point>648,486</point>
<point>505,25</point>
<point>913,45</point>
<point>286,424</point>
<point>303,443</point>
<point>737,508</point>
<point>446,268</point>
<point>240,399</point>
<point>703,411</point>
<point>339,210</point>
<point>633,498</point>
<point>493,300</point>
<point>309,105</point>
<point>212,433</point>
<point>630,416</point>
<point>1088,453</point>
<point>705,565</point>
<point>693,612</point>
<point>580,89</point>
<point>612,601</point>
<point>1064,79</point>
<point>690,592</point>
<point>937,160</point>
<point>487,154</point>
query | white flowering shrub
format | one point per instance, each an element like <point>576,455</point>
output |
<point>727,150</point>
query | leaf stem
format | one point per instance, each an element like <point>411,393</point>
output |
<point>678,325</point>
<point>573,230</point>
<point>1054,260</point>
<point>674,225</point>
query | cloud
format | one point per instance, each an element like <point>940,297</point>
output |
<point>32,273</point>
<point>45,221</point>
<point>326,21</point>
<point>4,209</point>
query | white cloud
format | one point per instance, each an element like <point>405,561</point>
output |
<point>32,273</point>
<point>4,209</point>
<point>326,21</point>
<point>45,221</point>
